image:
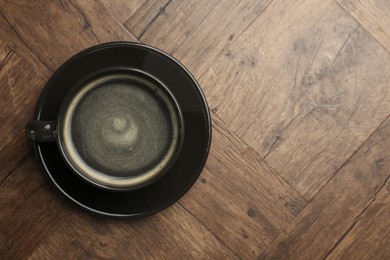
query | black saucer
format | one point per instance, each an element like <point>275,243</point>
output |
<point>197,137</point>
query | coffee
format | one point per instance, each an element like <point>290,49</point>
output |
<point>120,129</point>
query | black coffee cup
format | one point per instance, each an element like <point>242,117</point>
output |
<point>118,129</point>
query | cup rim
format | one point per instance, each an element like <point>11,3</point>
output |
<point>78,86</point>
<point>196,143</point>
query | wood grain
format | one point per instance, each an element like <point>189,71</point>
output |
<point>373,15</point>
<point>171,234</point>
<point>298,167</point>
<point>141,20</point>
<point>186,15</point>
<point>319,88</point>
<point>20,88</point>
<point>369,238</point>
<point>341,203</point>
<point>5,52</point>
<point>196,32</point>
<point>62,28</point>
<point>245,214</point>
<point>11,38</point>
<point>31,209</point>
<point>121,10</point>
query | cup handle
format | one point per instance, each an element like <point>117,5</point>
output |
<point>42,131</point>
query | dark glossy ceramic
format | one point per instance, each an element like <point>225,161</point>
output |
<point>55,132</point>
<point>195,143</point>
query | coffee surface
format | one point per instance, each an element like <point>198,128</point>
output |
<point>120,130</point>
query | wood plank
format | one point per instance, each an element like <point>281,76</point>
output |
<point>373,15</point>
<point>239,197</point>
<point>244,215</point>
<point>20,88</point>
<point>38,222</point>
<point>195,32</point>
<point>122,10</point>
<point>370,237</point>
<point>339,205</point>
<point>140,20</point>
<point>31,209</point>
<point>170,234</point>
<point>5,52</point>
<point>305,94</point>
<point>62,28</point>
<point>11,38</point>
<point>185,15</point>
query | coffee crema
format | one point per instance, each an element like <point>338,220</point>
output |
<point>120,130</point>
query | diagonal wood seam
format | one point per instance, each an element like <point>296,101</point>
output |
<point>231,132</point>
<point>128,19</point>
<point>84,19</point>
<point>342,165</point>
<point>201,76</point>
<point>78,10</point>
<point>24,159</point>
<point>32,51</point>
<point>120,24</point>
<point>265,164</point>
<point>87,23</point>
<point>161,11</point>
<point>362,26</point>
<point>207,228</point>
<point>17,165</point>
<point>258,156</point>
<point>233,41</point>
<point>223,49</point>
<point>360,215</point>
<point>21,163</point>
<point>7,57</point>
<point>370,201</point>
<point>350,157</point>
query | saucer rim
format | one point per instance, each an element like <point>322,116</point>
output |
<point>194,176</point>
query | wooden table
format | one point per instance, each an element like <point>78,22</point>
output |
<point>299,92</point>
